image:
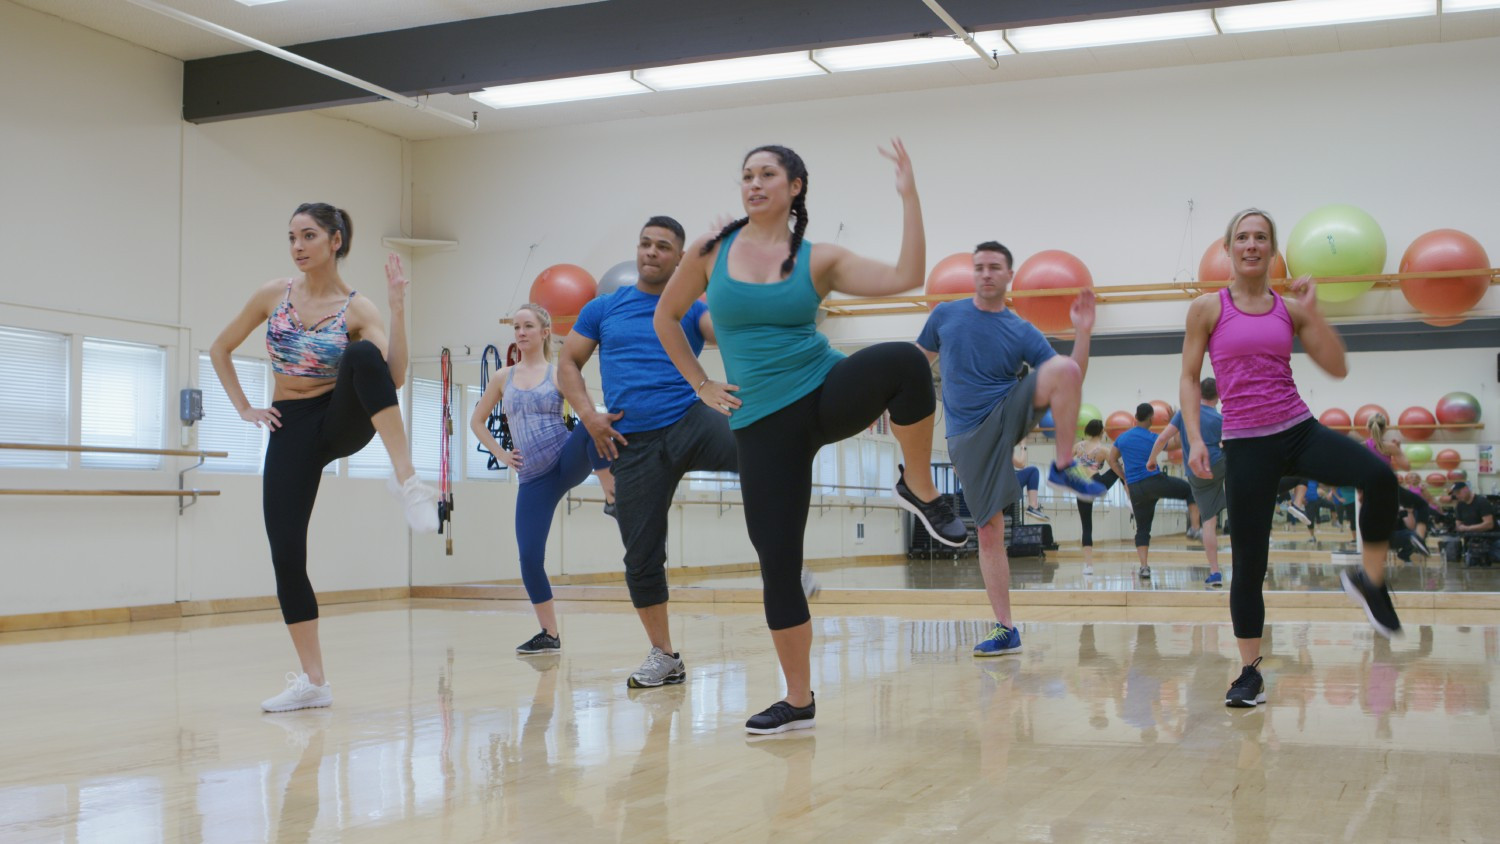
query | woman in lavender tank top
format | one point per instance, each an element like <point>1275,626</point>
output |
<point>1247,332</point>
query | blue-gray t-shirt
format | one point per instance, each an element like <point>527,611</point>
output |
<point>979,354</point>
<point>1211,425</point>
<point>639,378</point>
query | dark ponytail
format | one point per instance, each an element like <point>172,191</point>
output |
<point>330,220</point>
<point>795,169</point>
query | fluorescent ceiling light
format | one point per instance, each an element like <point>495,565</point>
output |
<point>1290,14</point>
<point>729,71</point>
<point>560,90</point>
<point>1469,5</point>
<point>1099,33</point>
<point>256,2</point>
<point>903,52</point>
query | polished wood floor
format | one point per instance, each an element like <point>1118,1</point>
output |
<point>1097,731</point>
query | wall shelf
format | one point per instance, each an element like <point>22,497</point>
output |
<point>418,243</point>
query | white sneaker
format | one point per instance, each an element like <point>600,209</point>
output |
<point>419,500</point>
<point>810,584</point>
<point>299,694</point>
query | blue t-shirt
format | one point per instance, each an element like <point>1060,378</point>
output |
<point>768,336</point>
<point>979,354</point>
<point>1135,446</point>
<point>1211,425</point>
<point>639,379</point>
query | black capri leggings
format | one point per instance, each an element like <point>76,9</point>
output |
<point>776,457</point>
<point>1144,494</point>
<point>1256,465</point>
<point>315,432</point>
<point>1420,509</point>
<point>1086,508</point>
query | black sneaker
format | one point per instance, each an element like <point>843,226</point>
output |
<point>1375,599</point>
<point>936,515</point>
<point>1418,544</point>
<point>1249,690</point>
<point>781,717</point>
<point>609,509</point>
<point>541,643</point>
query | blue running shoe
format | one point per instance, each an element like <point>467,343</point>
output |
<point>1002,640</point>
<point>1215,580</point>
<point>1076,479</point>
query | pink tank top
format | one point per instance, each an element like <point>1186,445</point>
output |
<point>1375,447</point>
<point>1252,360</point>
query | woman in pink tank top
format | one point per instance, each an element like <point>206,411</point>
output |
<point>1247,330</point>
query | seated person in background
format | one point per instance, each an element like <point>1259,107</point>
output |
<point>1031,480</point>
<point>1474,514</point>
<point>1406,527</point>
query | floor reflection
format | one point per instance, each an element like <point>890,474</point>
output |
<point>1095,731</point>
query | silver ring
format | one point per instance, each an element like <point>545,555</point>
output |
<point>723,406</point>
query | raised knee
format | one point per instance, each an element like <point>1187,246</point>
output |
<point>364,353</point>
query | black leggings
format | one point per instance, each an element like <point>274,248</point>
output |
<point>1144,494</point>
<point>1420,509</point>
<point>776,457</point>
<point>315,432</point>
<point>1086,508</point>
<point>1256,465</point>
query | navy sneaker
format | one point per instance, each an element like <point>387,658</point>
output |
<point>936,515</point>
<point>1376,601</point>
<point>541,643</point>
<point>1249,690</point>
<point>1076,479</point>
<point>1215,580</point>
<point>782,717</point>
<point>1002,640</point>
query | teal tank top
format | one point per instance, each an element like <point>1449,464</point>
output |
<point>768,336</point>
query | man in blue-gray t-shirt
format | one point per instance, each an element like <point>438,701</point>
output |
<point>1144,484</point>
<point>1208,493</point>
<point>655,429</point>
<point>981,347</point>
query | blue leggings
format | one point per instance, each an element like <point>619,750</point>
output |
<point>1030,477</point>
<point>537,502</point>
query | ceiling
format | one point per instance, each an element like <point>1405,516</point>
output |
<point>451,45</point>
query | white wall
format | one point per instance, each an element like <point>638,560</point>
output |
<point>121,221</point>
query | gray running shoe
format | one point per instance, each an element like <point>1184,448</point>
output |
<point>660,668</point>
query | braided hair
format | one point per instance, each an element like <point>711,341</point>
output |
<point>791,162</point>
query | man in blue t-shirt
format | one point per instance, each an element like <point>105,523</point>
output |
<point>1208,493</point>
<point>655,429</point>
<point>1145,485</point>
<point>999,377</point>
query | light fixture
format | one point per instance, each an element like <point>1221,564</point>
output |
<point>1290,14</point>
<point>1106,31</point>
<point>895,53</point>
<point>256,2</point>
<point>1469,5</point>
<point>560,90</point>
<point>729,71</point>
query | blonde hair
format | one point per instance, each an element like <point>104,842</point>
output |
<point>1376,426</point>
<point>1234,223</point>
<point>545,318</point>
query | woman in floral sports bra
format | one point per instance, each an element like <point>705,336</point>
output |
<point>1247,331</point>
<point>334,392</point>
<point>548,459</point>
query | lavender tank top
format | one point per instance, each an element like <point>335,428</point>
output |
<point>536,423</point>
<point>1252,360</point>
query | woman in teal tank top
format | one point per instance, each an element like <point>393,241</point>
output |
<point>789,392</point>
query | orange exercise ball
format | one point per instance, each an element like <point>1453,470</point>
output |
<point>1118,423</point>
<point>953,274</point>
<point>1443,323</point>
<point>1048,270</point>
<point>1436,251</point>
<point>1416,416</point>
<point>1362,416</point>
<point>1456,475</point>
<point>1214,265</point>
<point>563,289</point>
<point>1437,478</point>
<point>1161,413</point>
<point>1336,419</point>
<point>1448,459</point>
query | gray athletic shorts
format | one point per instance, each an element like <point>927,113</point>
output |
<point>982,456</point>
<point>1208,493</point>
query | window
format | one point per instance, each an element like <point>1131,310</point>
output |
<point>372,461</point>
<point>426,427</point>
<point>221,428</point>
<point>476,456</point>
<point>826,469</point>
<point>33,396</point>
<point>124,401</point>
<point>887,470</point>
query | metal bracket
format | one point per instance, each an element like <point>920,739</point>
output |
<point>183,503</point>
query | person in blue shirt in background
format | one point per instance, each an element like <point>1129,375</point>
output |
<point>1208,493</point>
<point>1145,486</point>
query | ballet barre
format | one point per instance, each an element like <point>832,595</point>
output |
<point>181,493</point>
<point>725,506</point>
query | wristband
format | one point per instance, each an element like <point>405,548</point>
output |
<point>700,386</point>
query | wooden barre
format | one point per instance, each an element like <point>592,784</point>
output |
<point>101,449</point>
<point>156,493</point>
